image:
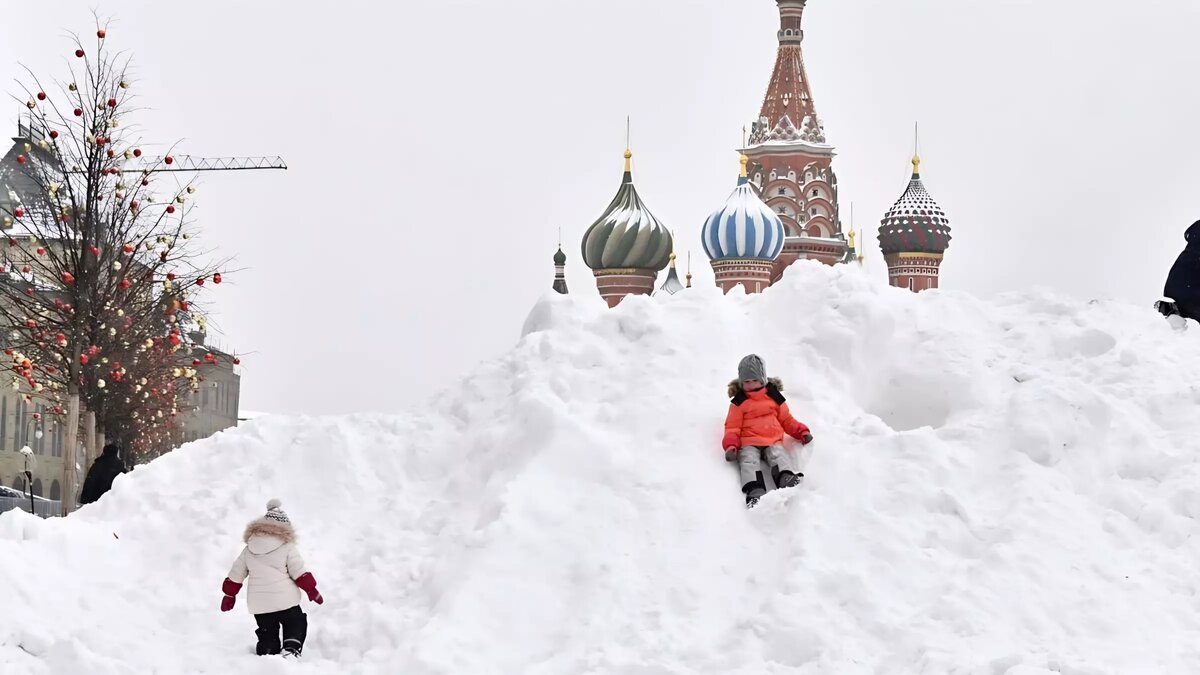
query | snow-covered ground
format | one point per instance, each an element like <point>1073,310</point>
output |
<point>1007,486</point>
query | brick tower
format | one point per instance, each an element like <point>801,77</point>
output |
<point>914,236</point>
<point>790,159</point>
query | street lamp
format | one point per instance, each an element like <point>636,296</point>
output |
<point>30,465</point>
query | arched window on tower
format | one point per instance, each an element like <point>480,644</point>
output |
<point>55,491</point>
<point>37,487</point>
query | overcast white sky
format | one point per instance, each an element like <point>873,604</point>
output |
<point>435,149</point>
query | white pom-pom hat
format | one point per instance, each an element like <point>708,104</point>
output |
<point>275,513</point>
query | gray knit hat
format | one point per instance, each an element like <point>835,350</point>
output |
<point>752,368</point>
<point>275,513</point>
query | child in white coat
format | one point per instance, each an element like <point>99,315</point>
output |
<point>277,575</point>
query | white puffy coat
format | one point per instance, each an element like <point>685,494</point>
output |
<point>273,563</point>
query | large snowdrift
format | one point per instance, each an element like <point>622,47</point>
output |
<point>996,487</point>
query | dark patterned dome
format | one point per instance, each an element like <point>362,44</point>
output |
<point>915,223</point>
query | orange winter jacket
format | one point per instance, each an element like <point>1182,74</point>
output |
<point>759,417</point>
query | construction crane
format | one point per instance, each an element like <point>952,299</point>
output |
<point>189,163</point>
<point>140,163</point>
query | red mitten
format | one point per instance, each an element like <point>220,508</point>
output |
<point>230,589</point>
<point>308,584</point>
<point>801,433</point>
<point>731,441</point>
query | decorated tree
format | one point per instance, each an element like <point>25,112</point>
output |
<point>99,265</point>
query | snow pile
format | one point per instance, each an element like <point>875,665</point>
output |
<point>996,487</point>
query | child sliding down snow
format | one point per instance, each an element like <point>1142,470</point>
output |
<point>758,417</point>
<point>277,575</point>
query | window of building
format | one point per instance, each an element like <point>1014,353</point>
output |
<point>816,193</point>
<point>55,491</point>
<point>37,487</point>
<point>782,191</point>
<point>910,283</point>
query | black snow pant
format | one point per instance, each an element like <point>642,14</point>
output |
<point>295,628</point>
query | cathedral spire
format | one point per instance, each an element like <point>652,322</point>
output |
<point>788,93</point>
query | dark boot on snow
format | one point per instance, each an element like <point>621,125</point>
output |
<point>788,479</point>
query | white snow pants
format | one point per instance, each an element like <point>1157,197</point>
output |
<point>750,464</point>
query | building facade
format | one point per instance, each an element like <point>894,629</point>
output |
<point>785,207</point>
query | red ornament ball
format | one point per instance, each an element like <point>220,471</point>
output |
<point>79,53</point>
<point>128,248</point>
<point>169,159</point>
<point>79,112</point>
<point>20,159</point>
<point>137,152</point>
<point>170,209</point>
<point>20,213</point>
<point>237,362</point>
<point>217,278</point>
<point>112,102</point>
<point>41,96</point>
<point>54,133</point>
<point>100,33</point>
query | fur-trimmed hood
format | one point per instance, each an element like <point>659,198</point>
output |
<point>735,387</point>
<point>267,535</point>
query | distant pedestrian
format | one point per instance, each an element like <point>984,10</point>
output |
<point>1183,281</point>
<point>100,477</point>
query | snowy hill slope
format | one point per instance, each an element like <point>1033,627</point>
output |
<point>996,487</point>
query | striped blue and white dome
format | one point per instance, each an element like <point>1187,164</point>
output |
<point>744,227</point>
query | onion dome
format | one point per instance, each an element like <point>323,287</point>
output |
<point>627,235</point>
<point>744,228</point>
<point>915,223</point>
<point>560,258</point>
<point>672,285</point>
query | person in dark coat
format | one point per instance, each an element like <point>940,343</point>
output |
<point>100,477</point>
<point>1183,281</point>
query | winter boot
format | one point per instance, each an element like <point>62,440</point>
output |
<point>752,497</point>
<point>787,479</point>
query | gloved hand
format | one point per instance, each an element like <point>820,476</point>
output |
<point>308,583</point>
<point>731,454</point>
<point>230,589</point>
<point>806,438</point>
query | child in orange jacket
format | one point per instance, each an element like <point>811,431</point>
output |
<point>757,420</point>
